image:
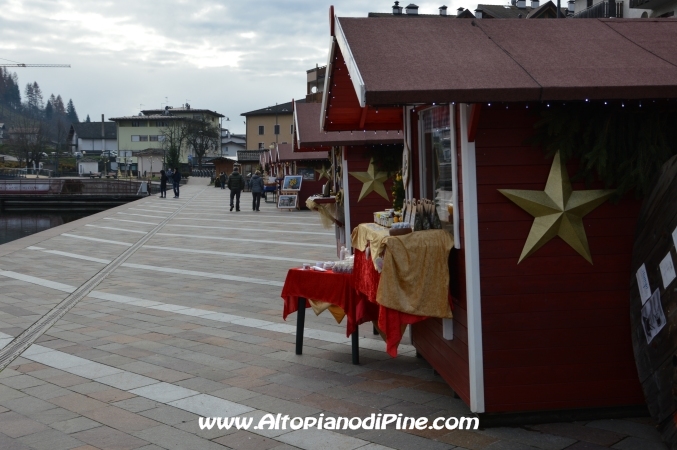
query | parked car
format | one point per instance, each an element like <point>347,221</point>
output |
<point>78,155</point>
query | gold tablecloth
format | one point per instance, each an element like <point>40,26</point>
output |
<point>415,274</point>
<point>372,235</point>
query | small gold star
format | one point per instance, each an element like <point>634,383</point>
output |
<point>323,173</point>
<point>557,211</point>
<point>373,181</point>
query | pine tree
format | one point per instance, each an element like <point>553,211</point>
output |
<point>37,93</point>
<point>70,112</point>
<point>30,96</point>
<point>58,105</point>
<point>49,110</point>
<point>88,120</point>
<point>13,94</point>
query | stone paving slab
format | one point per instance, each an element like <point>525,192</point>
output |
<point>191,326</point>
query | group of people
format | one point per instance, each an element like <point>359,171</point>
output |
<point>175,177</point>
<point>236,183</point>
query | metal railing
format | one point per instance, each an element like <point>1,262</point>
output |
<point>56,186</point>
<point>601,10</point>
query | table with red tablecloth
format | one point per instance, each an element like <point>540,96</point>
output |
<point>334,288</point>
<point>391,323</point>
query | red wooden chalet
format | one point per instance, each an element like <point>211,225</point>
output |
<point>349,149</point>
<point>552,332</point>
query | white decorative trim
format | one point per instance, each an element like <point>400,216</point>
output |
<point>346,199</point>
<point>454,176</point>
<point>355,75</point>
<point>327,81</point>
<point>472,266</point>
<point>409,191</point>
<point>423,175</point>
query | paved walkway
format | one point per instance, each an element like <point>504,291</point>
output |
<point>189,324</point>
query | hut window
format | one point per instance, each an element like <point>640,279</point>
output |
<point>437,177</point>
<point>261,130</point>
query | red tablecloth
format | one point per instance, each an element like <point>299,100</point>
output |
<point>330,287</point>
<point>390,322</point>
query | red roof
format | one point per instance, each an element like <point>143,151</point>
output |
<point>307,119</point>
<point>287,154</point>
<point>397,62</point>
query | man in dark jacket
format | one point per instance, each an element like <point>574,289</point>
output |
<point>222,180</point>
<point>235,184</point>
<point>257,189</point>
<point>176,181</point>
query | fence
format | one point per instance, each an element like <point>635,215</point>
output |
<point>47,186</point>
<point>601,10</point>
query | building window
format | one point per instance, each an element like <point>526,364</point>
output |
<point>261,130</point>
<point>277,129</point>
<point>588,3</point>
<point>154,138</point>
<point>135,138</point>
<point>225,149</point>
<point>262,146</point>
<point>143,138</point>
<point>136,123</point>
<point>291,129</point>
<point>161,123</point>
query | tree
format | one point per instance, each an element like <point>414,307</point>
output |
<point>173,138</point>
<point>201,136</point>
<point>88,120</point>
<point>28,141</point>
<point>58,105</point>
<point>49,110</point>
<point>37,93</point>
<point>70,112</point>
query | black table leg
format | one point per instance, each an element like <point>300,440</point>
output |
<point>356,347</point>
<point>300,323</point>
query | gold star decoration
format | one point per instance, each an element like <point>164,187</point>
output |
<point>373,181</point>
<point>323,173</point>
<point>557,211</point>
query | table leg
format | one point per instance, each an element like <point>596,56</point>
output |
<point>356,347</point>
<point>300,323</point>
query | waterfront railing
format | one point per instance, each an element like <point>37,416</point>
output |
<point>55,186</point>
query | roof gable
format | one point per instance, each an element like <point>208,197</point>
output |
<point>510,60</point>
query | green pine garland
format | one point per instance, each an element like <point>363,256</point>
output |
<point>623,145</point>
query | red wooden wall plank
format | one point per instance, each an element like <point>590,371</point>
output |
<point>556,329</point>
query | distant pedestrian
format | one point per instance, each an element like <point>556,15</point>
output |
<point>222,180</point>
<point>176,180</point>
<point>235,184</point>
<point>163,184</point>
<point>257,189</point>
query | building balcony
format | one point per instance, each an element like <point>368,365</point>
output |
<point>602,10</point>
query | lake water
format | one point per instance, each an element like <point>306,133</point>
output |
<point>15,225</point>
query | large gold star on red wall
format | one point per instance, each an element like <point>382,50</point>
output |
<point>372,181</point>
<point>557,211</point>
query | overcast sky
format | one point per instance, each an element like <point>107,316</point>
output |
<point>225,55</point>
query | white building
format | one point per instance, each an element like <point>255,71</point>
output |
<point>87,166</point>
<point>627,9</point>
<point>231,143</point>
<point>93,137</point>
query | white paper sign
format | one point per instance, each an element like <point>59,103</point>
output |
<point>667,270</point>
<point>643,284</point>
<point>653,318</point>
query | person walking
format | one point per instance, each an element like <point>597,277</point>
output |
<point>176,181</point>
<point>257,190</point>
<point>235,184</point>
<point>222,180</point>
<point>163,184</point>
